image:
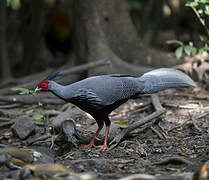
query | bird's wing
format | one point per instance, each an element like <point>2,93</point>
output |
<point>87,96</point>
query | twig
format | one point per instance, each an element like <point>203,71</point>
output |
<point>194,122</point>
<point>199,117</point>
<point>159,111</point>
<point>115,161</point>
<point>51,112</point>
<point>178,106</point>
<point>200,19</point>
<point>38,139</point>
<point>7,124</point>
<point>178,126</point>
<point>157,132</point>
<point>4,119</point>
<point>165,133</point>
<point>194,119</point>
<point>9,106</point>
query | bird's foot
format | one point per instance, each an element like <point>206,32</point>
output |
<point>87,146</point>
<point>101,147</point>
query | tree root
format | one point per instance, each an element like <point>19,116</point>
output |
<point>159,111</point>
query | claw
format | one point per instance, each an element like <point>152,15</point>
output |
<point>101,147</point>
<point>87,146</point>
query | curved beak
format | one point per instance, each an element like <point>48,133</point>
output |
<point>37,89</point>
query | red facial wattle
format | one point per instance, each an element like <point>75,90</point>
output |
<point>43,85</point>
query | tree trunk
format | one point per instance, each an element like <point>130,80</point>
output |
<point>5,65</point>
<point>104,30</point>
<point>92,42</point>
<point>32,23</point>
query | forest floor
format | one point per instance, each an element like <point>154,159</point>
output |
<point>175,143</point>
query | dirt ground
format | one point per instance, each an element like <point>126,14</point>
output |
<point>175,143</point>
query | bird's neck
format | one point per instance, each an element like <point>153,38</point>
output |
<point>57,89</point>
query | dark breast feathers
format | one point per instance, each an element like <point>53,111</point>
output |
<point>103,93</point>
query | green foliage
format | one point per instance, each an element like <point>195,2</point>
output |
<point>121,122</point>
<point>34,116</point>
<point>37,116</point>
<point>201,9</point>
<point>28,112</point>
<point>23,90</point>
<point>189,49</point>
<point>175,42</point>
<point>14,4</point>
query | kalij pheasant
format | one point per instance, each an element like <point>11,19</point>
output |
<point>100,95</point>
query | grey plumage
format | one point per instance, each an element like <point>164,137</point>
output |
<point>105,90</point>
<point>100,95</point>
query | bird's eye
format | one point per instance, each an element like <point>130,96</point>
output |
<point>43,85</point>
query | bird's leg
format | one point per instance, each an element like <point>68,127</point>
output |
<point>104,146</point>
<point>88,146</point>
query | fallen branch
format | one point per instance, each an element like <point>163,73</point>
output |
<point>44,98</point>
<point>159,111</point>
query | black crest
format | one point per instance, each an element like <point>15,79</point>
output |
<point>51,76</point>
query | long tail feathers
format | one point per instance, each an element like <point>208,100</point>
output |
<point>164,78</point>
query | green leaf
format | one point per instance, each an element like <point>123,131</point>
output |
<point>192,4</point>
<point>31,91</point>
<point>201,50</point>
<point>191,43</point>
<point>179,52</point>
<point>206,12</point>
<point>179,129</point>
<point>203,38</point>
<point>200,11</point>
<point>29,111</point>
<point>188,50</point>
<point>194,51</point>
<point>204,1</point>
<point>37,116</point>
<point>121,122</point>
<point>175,42</point>
<point>22,90</point>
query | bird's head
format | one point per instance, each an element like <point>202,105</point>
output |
<point>44,84</point>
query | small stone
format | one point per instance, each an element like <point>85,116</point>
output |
<point>23,127</point>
